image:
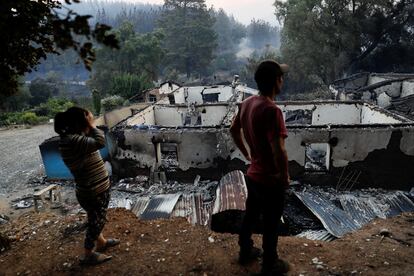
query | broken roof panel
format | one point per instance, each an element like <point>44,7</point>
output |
<point>186,208</point>
<point>140,205</point>
<point>160,206</point>
<point>358,208</point>
<point>231,194</point>
<point>316,235</point>
<point>365,207</point>
<point>361,209</point>
<point>334,219</point>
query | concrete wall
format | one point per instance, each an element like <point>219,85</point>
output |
<point>336,114</point>
<point>174,115</point>
<point>372,116</point>
<point>393,89</point>
<point>115,116</point>
<point>328,113</point>
<point>145,117</point>
<point>376,157</point>
<point>225,92</point>
<point>166,89</point>
<point>342,113</point>
<point>193,94</point>
<point>196,148</point>
<point>213,115</point>
<point>407,88</point>
<point>169,115</point>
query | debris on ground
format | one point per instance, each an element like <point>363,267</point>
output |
<point>175,247</point>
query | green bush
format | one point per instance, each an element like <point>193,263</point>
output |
<point>52,107</point>
<point>112,102</point>
<point>20,118</point>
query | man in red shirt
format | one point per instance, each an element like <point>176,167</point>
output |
<point>261,123</point>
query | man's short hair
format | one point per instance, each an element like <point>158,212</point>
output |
<point>266,74</point>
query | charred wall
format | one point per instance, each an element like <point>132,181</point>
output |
<point>356,157</point>
<point>359,157</point>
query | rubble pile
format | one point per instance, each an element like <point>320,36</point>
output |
<point>142,186</point>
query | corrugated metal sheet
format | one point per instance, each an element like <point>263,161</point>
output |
<point>398,202</point>
<point>231,193</point>
<point>316,235</point>
<point>160,206</point>
<point>203,209</point>
<point>365,206</point>
<point>358,208</point>
<point>140,205</point>
<point>334,219</point>
<point>185,208</point>
<point>194,209</point>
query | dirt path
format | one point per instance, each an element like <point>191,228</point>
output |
<point>51,245</point>
<point>20,156</point>
<point>20,160</point>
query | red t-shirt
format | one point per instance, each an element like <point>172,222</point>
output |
<point>261,121</point>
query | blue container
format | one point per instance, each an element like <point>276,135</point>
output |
<point>55,168</point>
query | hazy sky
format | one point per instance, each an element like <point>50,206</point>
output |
<point>243,10</point>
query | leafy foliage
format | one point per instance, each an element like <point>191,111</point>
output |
<point>50,108</point>
<point>324,40</point>
<point>96,98</point>
<point>132,68</point>
<point>247,74</point>
<point>112,102</point>
<point>189,36</point>
<point>229,35</point>
<point>127,85</point>
<point>41,90</point>
<point>261,34</point>
<point>32,29</point>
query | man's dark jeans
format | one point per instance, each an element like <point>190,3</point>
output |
<point>268,201</point>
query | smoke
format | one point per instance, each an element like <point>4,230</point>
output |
<point>244,49</point>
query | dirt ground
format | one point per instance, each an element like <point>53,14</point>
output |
<point>47,244</point>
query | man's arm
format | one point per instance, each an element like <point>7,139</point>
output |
<point>281,159</point>
<point>235,130</point>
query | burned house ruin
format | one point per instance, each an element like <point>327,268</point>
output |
<point>177,156</point>
<point>328,142</point>
<point>390,91</point>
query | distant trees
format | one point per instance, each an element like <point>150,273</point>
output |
<point>131,69</point>
<point>189,36</point>
<point>32,29</point>
<point>260,34</point>
<point>40,91</point>
<point>324,40</point>
<point>229,35</point>
<point>247,73</point>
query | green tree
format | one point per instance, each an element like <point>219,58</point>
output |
<point>40,91</point>
<point>96,98</point>
<point>135,65</point>
<point>189,36</point>
<point>260,34</point>
<point>247,73</point>
<point>324,40</point>
<point>112,102</point>
<point>17,101</point>
<point>32,29</point>
<point>127,85</point>
<point>229,34</point>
